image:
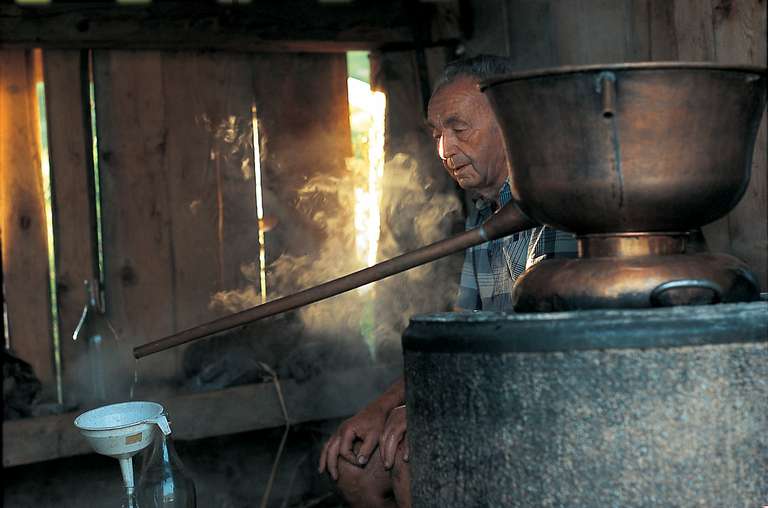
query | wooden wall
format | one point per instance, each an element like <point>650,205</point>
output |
<point>544,33</point>
<point>22,215</point>
<point>178,197</point>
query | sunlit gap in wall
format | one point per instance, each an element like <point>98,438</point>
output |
<point>45,168</point>
<point>366,118</point>
<point>259,204</point>
<point>96,174</point>
<point>6,329</point>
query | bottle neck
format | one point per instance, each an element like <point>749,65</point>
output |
<point>93,293</point>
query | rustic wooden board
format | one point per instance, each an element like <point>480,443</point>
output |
<point>303,113</point>
<point>288,25</point>
<point>209,164</point>
<point>232,410</point>
<point>600,31</point>
<point>22,216</point>
<point>693,30</point>
<point>69,146</point>
<point>137,220</point>
<point>179,189</point>
<point>532,34</point>
<point>663,43</point>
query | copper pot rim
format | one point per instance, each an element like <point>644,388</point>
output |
<point>631,234</point>
<point>640,66</point>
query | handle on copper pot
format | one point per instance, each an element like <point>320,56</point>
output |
<point>685,283</point>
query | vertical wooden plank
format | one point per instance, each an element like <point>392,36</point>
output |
<point>209,163</point>
<point>696,42</point>
<point>739,35</point>
<point>138,250</point>
<point>532,41</point>
<point>591,31</point>
<point>693,28</point>
<point>69,147</point>
<point>488,21</point>
<point>663,41</point>
<point>637,23</point>
<point>303,115</point>
<point>22,216</point>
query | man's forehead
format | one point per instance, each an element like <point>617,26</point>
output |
<point>453,101</point>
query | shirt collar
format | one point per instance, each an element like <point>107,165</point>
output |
<point>505,196</point>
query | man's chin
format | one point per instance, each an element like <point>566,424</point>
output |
<point>468,184</point>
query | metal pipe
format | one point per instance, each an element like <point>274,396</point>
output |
<point>508,220</point>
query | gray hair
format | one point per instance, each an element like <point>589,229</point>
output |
<point>477,67</point>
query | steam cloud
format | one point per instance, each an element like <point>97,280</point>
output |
<point>412,215</point>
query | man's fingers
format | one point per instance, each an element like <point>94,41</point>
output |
<point>369,443</point>
<point>321,465</point>
<point>333,457</point>
<point>346,450</point>
<point>389,447</point>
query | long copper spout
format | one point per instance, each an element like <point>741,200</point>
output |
<point>508,220</point>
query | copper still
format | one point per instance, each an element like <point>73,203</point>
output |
<point>631,158</point>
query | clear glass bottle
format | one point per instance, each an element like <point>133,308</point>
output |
<point>105,373</point>
<point>164,482</point>
<point>129,500</point>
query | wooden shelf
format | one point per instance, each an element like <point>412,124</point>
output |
<point>232,410</point>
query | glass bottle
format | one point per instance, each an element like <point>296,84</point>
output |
<point>129,500</point>
<point>105,374</point>
<point>164,482</point>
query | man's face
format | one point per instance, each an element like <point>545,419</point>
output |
<point>468,138</point>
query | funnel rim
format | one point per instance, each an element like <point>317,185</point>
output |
<point>79,419</point>
<point>575,69</point>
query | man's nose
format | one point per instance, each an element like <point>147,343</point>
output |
<point>445,148</point>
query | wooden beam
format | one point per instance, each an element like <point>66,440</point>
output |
<point>232,410</point>
<point>289,25</point>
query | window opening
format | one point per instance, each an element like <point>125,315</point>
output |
<point>259,204</point>
<point>45,169</point>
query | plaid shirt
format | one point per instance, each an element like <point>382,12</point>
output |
<point>490,269</point>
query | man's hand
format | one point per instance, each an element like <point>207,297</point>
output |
<point>394,432</point>
<point>367,425</point>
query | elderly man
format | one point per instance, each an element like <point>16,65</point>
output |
<point>368,454</point>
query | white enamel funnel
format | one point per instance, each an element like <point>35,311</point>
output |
<point>122,430</point>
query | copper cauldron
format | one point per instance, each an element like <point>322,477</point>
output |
<point>630,158</point>
<point>630,147</point>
